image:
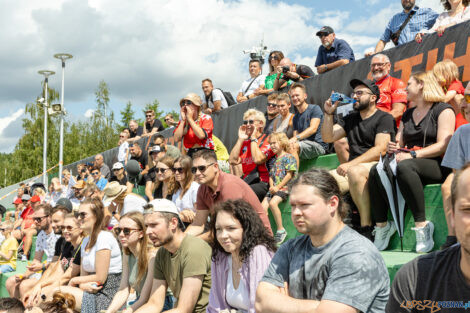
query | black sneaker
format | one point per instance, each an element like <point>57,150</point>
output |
<point>366,231</point>
<point>450,241</point>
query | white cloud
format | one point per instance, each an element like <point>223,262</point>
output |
<point>89,113</point>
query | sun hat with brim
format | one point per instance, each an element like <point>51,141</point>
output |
<point>17,201</point>
<point>194,98</point>
<point>117,166</point>
<point>79,185</point>
<point>112,191</point>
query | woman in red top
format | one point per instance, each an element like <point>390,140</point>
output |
<point>194,127</point>
<point>447,74</point>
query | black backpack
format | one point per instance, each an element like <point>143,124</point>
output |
<point>227,95</point>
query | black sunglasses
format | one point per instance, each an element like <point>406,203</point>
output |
<point>270,104</point>
<point>39,219</point>
<point>178,169</point>
<point>95,173</point>
<point>274,57</point>
<point>185,102</point>
<point>126,231</point>
<point>161,169</point>
<point>246,122</point>
<point>201,168</point>
<point>2,229</point>
<point>148,115</point>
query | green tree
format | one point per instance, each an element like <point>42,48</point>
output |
<point>127,115</point>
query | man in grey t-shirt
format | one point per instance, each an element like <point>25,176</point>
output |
<point>331,267</point>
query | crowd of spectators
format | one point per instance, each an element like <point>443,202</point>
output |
<point>184,227</point>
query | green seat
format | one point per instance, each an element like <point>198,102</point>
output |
<point>20,268</point>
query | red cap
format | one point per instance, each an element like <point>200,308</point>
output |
<point>17,201</point>
<point>35,199</point>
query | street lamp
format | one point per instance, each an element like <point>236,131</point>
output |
<point>46,74</point>
<point>62,57</point>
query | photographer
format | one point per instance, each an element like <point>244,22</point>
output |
<point>368,131</point>
<point>291,71</point>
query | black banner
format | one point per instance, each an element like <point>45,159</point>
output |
<point>405,59</point>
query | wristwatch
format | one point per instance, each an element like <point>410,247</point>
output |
<point>298,137</point>
<point>254,140</point>
<point>413,154</point>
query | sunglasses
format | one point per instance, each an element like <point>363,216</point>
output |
<point>185,102</point>
<point>273,58</point>
<point>178,169</point>
<point>95,173</point>
<point>467,98</point>
<point>166,120</point>
<point>126,231</point>
<point>161,170</point>
<point>148,115</point>
<point>246,122</point>
<point>2,229</point>
<point>39,219</point>
<point>201,168</point>
<point>122,136</point>
<point>67,228</point>
<point>270,104</point>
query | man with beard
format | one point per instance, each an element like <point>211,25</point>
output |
<point>420,18</point>
<point>333,52</point>
<point>183,262</point>
<point>45,245</point>
<point>368,131</point>
<point>392,90</point>
<point>442,275</point>
<point>271,113</point>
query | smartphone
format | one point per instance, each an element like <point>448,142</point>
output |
<point>404,150</point>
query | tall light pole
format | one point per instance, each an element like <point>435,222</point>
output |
<point>62,57</point>
<point>46,74</point>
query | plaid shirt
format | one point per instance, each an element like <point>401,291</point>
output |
<point>424,18</point>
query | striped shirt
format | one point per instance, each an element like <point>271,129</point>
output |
<point>424,18</point>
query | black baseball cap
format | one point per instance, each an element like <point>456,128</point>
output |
<point>325,30</point>
<point>368,83</point>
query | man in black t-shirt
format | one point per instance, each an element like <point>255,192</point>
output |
<point>135,131</point>
<point>140,156</point>
<point>291,71</point>
<point>152,125</point>
<point>368,131</point>
<point>439,281</point>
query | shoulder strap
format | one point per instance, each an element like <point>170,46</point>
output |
<point>408,18</point>
<point>250,84</point>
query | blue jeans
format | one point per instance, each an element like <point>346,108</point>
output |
<point>6,268</point>
<point>169,302</point>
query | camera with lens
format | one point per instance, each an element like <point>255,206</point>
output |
<point>83,171</point>
<point>285,69</point>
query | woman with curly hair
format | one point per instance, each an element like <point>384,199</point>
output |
<point>241,252</point>
<point>165,185</point>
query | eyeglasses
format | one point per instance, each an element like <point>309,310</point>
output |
<point>274,57</point>
<point>161,169</point>
<point>117,169</point>
<point>126,231</point>
<point>148,115</point>
<point>467,98</point>
<point>81,215</point>
<point>67,228</point>
<point>270,104</point>
<point>246,122</point>
<point>378,64</point>
<point>359,93</point>
<point>178,169</point>
<point>166,120</point>
<point>201,168</point>
<point>323,35</point>
<point>39,219</point>
<point>185,102</point>
<point>95,173</point>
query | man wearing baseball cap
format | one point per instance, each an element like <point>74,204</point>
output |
<point>182,262</point>
<point>27,228</point>
<point>333,52</point>
<point>368,131</point>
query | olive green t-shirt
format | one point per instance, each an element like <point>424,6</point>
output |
<point>193,258</point>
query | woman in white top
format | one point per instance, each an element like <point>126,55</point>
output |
<point>119,202</point>
<point>101,263</point>
<point>457,11</point>
<point>186,196</point>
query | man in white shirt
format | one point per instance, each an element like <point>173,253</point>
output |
<point>252,86</point>
<point>213,99</point>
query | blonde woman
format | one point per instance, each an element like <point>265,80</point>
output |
<point>252,151</point>
<point>423,136</point>
<point>137,266</point>
<point>194,128</point>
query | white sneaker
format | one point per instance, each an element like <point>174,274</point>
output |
<point>24,258</point>
<point>383,235</point>
<point>424,241</point>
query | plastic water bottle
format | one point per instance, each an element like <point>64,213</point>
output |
<point>336,96</point>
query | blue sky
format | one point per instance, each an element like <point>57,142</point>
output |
<point>159,49</point>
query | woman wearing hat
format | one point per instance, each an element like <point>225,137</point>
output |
<point>119,202</point>
<point>194,128</point>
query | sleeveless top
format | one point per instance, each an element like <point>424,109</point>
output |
<point>282,126</point>
<point>133,272</point>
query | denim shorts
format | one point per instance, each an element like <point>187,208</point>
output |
<point>6,268</point>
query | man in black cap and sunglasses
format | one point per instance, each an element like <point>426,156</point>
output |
<point>333,52</point>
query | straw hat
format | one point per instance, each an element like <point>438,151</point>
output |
<point>112,191</point>
<point>194,98</point>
